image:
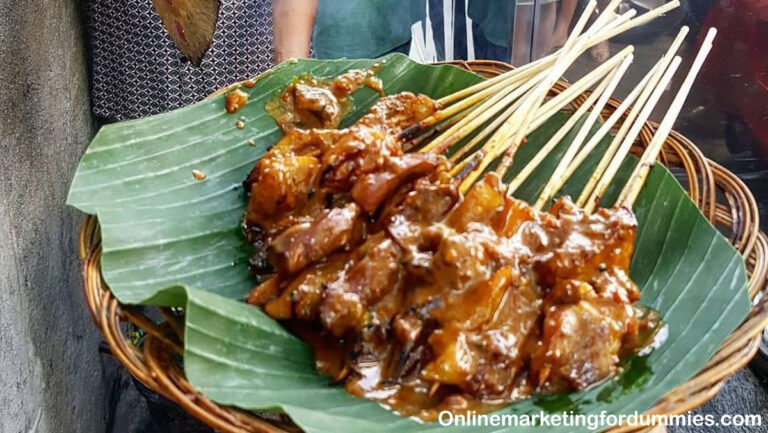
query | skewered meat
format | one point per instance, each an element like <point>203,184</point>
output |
<point>306,243</point>
<point>310,102</point>
<point>351,300</point>
<point>421,298</point>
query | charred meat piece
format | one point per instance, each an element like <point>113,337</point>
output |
<point>319,107</point>
<point>412,222</point>
<point>428,202</point>
<point>460,316</point>
<point>397,112</point>
<point>482,204</point>
<point>283,185</point>
<point>464,259</point>
<point>306,243</point>
<point>362,150</point>
<point>589,244</point>
<point>366,282</point>
<point>455,360</point>
<point>505,342</point>
<point>485,333</point>
<point>311,102</point>
<point>372,189</point>
<point>580,344</point>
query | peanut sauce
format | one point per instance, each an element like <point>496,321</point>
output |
<point>310,102</point>
<point>421,298</point>
<point>235,100</point>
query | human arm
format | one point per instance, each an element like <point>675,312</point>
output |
<point>293,23</point>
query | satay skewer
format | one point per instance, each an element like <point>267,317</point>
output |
<point>589,201</point>
<point>494,148</point>
<point>571,162</point>
<point>619,138</point>
<point>642,169</point>
<point>473,95</point>
<point>601,94</point>
<point>533,112</point>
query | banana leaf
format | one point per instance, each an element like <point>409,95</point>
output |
<point>170,239</point>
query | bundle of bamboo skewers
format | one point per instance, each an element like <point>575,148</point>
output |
<point>494,117</point>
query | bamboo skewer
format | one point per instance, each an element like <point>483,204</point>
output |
<point>645,94</point>
<point>548,147</point>
<point>602,24</point>
<point>640,173</point>
<point>496,92</point>
<point>477,117</point>
<point>634,22</point>
<point>621,24</point>
<point>541,64</point>
<point>485,132</point>
<point>605,89</point>
<point>492,150</point>
<point>518,128</point>
<point>453,97</point>
<point>483,153</point>
<point>495,146</point>
<point>627,18</point>
<point>601,94</point>
<point>593,200</point>
<point>552,106</point>
<point>516,99</point>
<point>607,125</point>
<point>568,55</point>
<point>436,130</point>
<point>565,97</point>
<point>501,83</point>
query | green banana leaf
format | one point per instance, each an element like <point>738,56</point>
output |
<point>169,239</point>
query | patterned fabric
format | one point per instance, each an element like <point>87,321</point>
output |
<point>137,71</point>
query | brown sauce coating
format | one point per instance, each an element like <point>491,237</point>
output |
<point>310,102</point>
<point>235,100</point>
<point>426,300</point>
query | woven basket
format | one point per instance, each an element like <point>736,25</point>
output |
<point>720,195</point>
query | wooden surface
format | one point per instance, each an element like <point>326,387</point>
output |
<point>51,374</point>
